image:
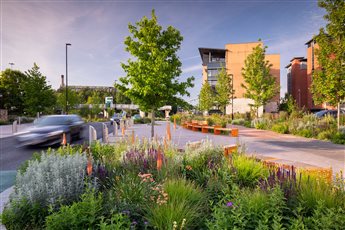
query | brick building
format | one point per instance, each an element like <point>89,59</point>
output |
<point>297,82</point>
<point>232,58</point>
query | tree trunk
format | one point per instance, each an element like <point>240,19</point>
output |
<point>153,123</point>
<point>338,117</point>
<point>257,112</point>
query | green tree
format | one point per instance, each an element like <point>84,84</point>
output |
<point>39,96</point>
<point>260,85</point>
<point>224,89</point>
<point>206,97</point>
<point>11,91</point>
<point>153,75</point>
<point>328,83</point>
<point>73,98</point>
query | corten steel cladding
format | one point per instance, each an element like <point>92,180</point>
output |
<point>165,143</point>
<point>159,160</point>
<point>133,137</point>
<point>234,132</point>
<point>123,131</point>
<point>175,123</point>
<point>230,149</point>
<point>64,140</point>
<point>216,130</point>
<point>168,132</point>
<point>89,166</point>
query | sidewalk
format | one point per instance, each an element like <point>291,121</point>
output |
<point>6,130</point>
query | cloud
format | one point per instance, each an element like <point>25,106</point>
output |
<point>192,68</point>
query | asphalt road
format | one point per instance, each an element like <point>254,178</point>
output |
<point>11,156</point>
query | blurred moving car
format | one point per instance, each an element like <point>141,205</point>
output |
<point>116,117</point>
<point>331,112</point>
<point>48,130</point>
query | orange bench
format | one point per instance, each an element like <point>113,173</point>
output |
<point>233,131</point>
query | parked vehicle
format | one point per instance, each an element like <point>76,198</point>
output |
<point>116,117</point>
<point>136,117</point>
<point>49,130</point>
<point>331,112</point>
<point>215,111</point>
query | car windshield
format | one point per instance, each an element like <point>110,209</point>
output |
<point>47,121</point>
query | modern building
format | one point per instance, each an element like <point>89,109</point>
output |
<point>297,81</point>
<point>300,74</point>
<point>232,58</point>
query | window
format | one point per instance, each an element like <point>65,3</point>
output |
<point>212,72</point>
<point>303,65</point>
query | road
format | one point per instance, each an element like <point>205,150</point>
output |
<point>11,156</point>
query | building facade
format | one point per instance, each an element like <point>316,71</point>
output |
<point>297,81</point>
<point>232,58</point>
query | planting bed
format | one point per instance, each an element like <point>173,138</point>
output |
<point>146,185</point>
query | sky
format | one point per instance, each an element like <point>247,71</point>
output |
<point>37,31</point>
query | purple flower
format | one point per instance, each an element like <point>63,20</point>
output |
<point>229,204</point>
<point>146,223</point>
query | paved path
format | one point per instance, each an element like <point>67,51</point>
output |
<point>6,130</point>
<point>282,148</point>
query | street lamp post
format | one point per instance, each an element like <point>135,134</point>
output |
<point>115,96</point>
<point>66,108</point>
<point>232,96</point>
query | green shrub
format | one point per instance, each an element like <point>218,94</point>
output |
<point>247,170</point>
<point>280,128</point>
<point>143,120</point>
<point>238,121</point>
<point>117,222</point>
<point>305,133</point>
<point>186,203</point>
<point>338,138</point>
<point>84,214</point>
<point>22,214</point>
<point>200,163</point>
<point>247,209</point>
<point>313,189</point>
<point>325,135</point>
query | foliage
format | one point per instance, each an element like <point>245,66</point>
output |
<point>259,84</point>
<point>118,221</point>
<point>281,128</point>
<point>143,120</point>
<point>12,91</point>
<point>186,203</point>
<point>84,214</point>
<point>288,104</point>
<point>152,78</point>
<point>53,180</point>
<point>206,97</point>
<point>23,214</point>
<point>247,209</point>
<point>39,96</point>
<point>338,138</point>
<point>224,89</point>
<point>248,172</point>
<point>313,189</point>
<point>200,165</point>
<point>73,98</point>
<point>328,84</point>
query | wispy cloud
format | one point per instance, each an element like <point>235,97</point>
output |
<point>192,68</point>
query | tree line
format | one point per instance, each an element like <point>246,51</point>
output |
<point>28,93</point>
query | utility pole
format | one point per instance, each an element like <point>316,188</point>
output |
<point>232,96</point>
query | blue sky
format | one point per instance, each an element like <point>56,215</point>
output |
<point>36,31</point>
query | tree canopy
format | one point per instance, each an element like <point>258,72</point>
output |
<point>11,90</point>
<point>328,83</point>
<point>206,97</point>
<point>39,96</point>
<point>152,78</point>
<point>260,85</point>
<point>224,89</point>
